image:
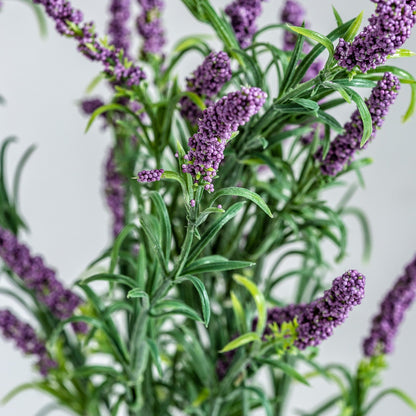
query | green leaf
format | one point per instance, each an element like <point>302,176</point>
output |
<point>394,392</point>
<point>203,295</point>
<point>310,104</point>
<point>18,173</point>
<point>165,225</point>
<point>402,53</point>
<point>190,41</point>
<point>204,214</point>
<point>245,193</point>
<point>195,98</point>
<point>354,28</point>
<point>167,174</point>
<point>337,16</point>
<point>40,17</point>
<point>339,89</point>
<point>174,307</point>
<point>258,299</point>
<point>311,34</point>
<point>241,340</point>
<point>239,314</point>
<point>109,277</point>
<point>265,402</point>
<point>93,84</point>
<point>154,352</point>
<point>138,293</point>
<point>330,121</point>
<point>117,245</point>
<point>217,266</point>
<point>286,368</point>
<point>213,230</point>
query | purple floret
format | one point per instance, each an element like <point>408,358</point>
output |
<point>343,147</point>
<point>294,14</point>
<point>149,26</point>
<point>215,127</point>
<point>115,193</point>
<point>117,27</point>
<point>386,324</point>
<point>389,27</point>
<point>37,277</point>
<point>26,340</point>
<point>90,105</point>
<point>152,175</point>
<point>116,66</point>
<point>206,81</point>
<point>243,15</point>
<point>317,320</point>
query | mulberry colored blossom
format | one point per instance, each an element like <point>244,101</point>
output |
<point>115,193</point>
<point>385,325</point>
<point>150,175</point>
<point>215,127</point>
<point>26,340</point>
<point>206,81</point>
<point>37,276</point>
<point>294,14</point>
<point>343,147</point>
<point>317,320</point>
<point>149,26</point>
<point>243,15</point>
<point>116,66</point>
<point>90,105</point>
<point>389,27</point>
<point>117,28</point>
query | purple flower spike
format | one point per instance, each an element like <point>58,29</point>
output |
<point>389,27</point>
<point>69,22</point>
<point>317,320</point>
<point>343,147</point>
<point>294,14</point>
<point>215,127</point>
<point>150,175</point>
<point>386,324</point>
<point>37,277</point>
<point>206,81</point>
<point>149,26</point>
<point>115,193</point>
<point>26,340</point>
<point>90,105</point>
<point>243,15</point>
<point>117,28</point>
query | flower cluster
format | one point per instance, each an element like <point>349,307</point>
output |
<point>115,193</point>
<point>149,26</point>
<point>38,277</point>
<point>344,146</point>
<point>293,13</point>
<point>389,27</point>
<point>243,15</point>
<point>90,105</point>
<point>153,175</point>
<point>318,319</point>
<point>70,22</point>
<point>215,127</point>
<point>392,310</point>
<point>117,28</point>
<point>26,340</point>
<point>206,81</point>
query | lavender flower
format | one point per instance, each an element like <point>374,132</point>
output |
<point>392,310</point>
<point>389,27</point>
<point>150,175</point>
<point>214,130</point>
<point>318,319</point>
<point>206,81</point>
<point>26,340</point>
<point>293,13</point>
<point>37,277</point>
<point>243,15</point>
<point>69,22</point>
<point>344,146</point>
<point>90,105</point>
<point>115,193</point>
<point>118,30</point>
<point>149,26</point>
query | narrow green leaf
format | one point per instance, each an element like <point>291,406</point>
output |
<point>154,352</point>
<point>286,368</point>
<point>93,84</point>
<point>258,299</point>
<point>174,307</point>
<point>339,89</point>
<point>92,370</point>
<point>239,314</point>
<point>265,402</point>
<point>311,34</point>
<point>109,277</point>
<point>402,53</point>
<point>310,104</point>
<point>394,392</point>
<point>40,17</point>
<point>218,266</point>
<point>195,98</point>
<point>354,28</point>
<point>206,212</point>
<point>213,231</point>
<point>337,16</point>
<point>241,340</point>
<point>245,193</point>
<point>189,42</point>
<point>330,121</point>
<point>117,245</point>
<point>138,293</point>
<point>203,295</point>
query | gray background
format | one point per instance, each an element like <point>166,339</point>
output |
<point>61,197</point>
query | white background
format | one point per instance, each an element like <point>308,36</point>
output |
<point>61,193</point>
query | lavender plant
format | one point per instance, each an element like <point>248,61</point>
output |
<point>187,308</point>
